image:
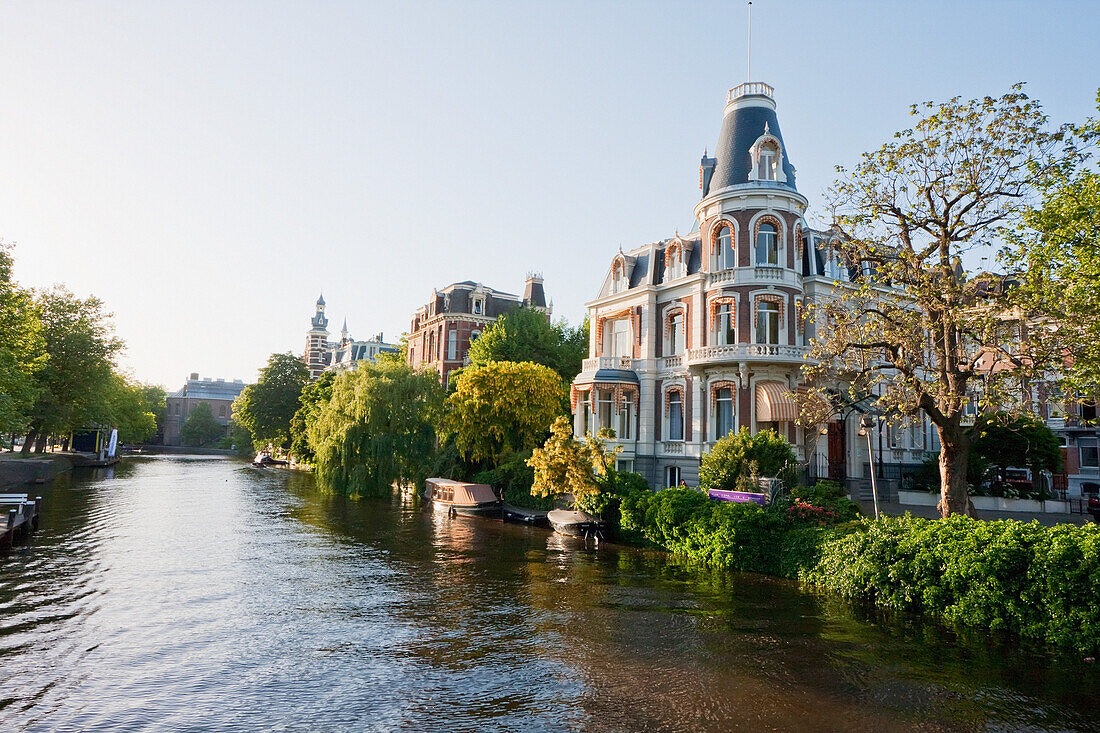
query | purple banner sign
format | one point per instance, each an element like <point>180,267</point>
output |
<point>739,496</point>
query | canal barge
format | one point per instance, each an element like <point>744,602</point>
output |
<point>21,517</point>
<point>523,515</point>
<point>575,524</point>
<point>460,498</point>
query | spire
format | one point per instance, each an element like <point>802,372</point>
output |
<point>321,300</point>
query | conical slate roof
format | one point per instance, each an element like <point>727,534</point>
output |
<point>745,121</point>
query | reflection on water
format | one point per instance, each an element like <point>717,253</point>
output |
<point>199,593</point>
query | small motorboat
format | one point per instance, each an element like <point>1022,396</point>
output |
<point>265,460</point>
<point>523,515</point>
<point>575,524</point>
<point>458,497</point>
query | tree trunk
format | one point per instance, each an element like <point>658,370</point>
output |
<point>40,443</point>
<point>28,442</point>
<point>954,457</point>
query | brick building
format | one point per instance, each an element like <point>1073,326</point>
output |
<point>218,393</point>
<point>443,328</point>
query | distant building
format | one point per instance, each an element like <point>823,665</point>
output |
<point>443,328</point>
<point>218,393</point>
<point>322,355</point>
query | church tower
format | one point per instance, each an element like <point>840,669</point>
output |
<point>317,346</point>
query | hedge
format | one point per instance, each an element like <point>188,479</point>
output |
<point>1034,581</point>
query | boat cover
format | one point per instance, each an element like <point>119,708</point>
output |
<point>466,493</point>
<point>564,516</point>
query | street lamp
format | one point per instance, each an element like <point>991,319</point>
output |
<point>866,422</point>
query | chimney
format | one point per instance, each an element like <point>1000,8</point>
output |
<point>194,377</point>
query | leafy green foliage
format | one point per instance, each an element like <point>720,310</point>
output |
<point>1039,582</point>
<point>502,407</point>
<point>526,334</point>
<point>22,348</point>
<point>739,458</point>
<point>126,405</point>
<point>377,429</point>
<point>828,496</point>
<point>313,397</point>
<point>266,408</point>
<point>1016,440</point>
<point>201,427</point>
<point>1057,262</point>
<point>957,180</point>
<point>81,348</point>
<point>567,466</point>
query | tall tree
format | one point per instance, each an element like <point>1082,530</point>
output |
<point>315,395</point>
<point>526,334</point>
<point>1057,259</point>
<point>377,429</point>
<point>503,407</point>
<point>266,408</point>
<point>125,406</point>
<point>22,348</point>
<point>81,349</point>
<point>201,427</point>
<point>916,330</point>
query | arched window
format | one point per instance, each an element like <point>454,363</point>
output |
<point>723,413</point>
<point>767,322</point>
<point>675,415</point>
<point>723,249</point>
<point>767,162</point>
<point>674,341</point>
<point>725,325</point>
<point>767,245</point>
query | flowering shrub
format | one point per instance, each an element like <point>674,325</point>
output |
<point>803,511</point>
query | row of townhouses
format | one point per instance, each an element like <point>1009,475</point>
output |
<point>703,333</point>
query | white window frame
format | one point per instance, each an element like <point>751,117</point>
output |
<point>674,339</point>
<point>773,310</point>
<point>725,256</point>
<point>670,421</point>
<point>673,476</point>
<point>452,345</point>
<point>718,434</point>
<point>725,324</point>
<point>775,248</point>
<point>612,331</point>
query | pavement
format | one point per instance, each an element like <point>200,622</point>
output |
<point>894,509</point>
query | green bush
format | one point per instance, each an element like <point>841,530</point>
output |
<point>512,477</point>
<point>739,458</point>
<point>828,496</point>
<point>1035,581</point>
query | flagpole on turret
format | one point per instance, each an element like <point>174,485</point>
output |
<point>748,46</point>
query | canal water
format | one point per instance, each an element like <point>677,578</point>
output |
<point>177,593</point>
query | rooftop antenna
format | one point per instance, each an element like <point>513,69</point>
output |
<point>748,45</point>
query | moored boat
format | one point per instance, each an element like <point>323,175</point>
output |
<point>458,497</point>
<point>523,515</point>
<point>575,524</point>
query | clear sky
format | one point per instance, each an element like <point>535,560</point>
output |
<point>206,168</point>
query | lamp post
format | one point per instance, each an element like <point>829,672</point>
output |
<point>866,422</point>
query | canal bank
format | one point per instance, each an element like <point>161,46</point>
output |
<point>137,607</point>
<point>18,471</point>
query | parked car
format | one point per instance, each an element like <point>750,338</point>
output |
<point>1094,507</point>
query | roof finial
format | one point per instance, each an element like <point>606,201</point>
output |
<point>766,130</point>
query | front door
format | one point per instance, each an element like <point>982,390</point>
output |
<point>838,455</point>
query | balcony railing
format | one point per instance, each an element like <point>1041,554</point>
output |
<point>768,272</point>
<point>607,362</point>
<point>671,362</point>
<point>750,88</point>
<point>672,448</point>
<point>737,352</point>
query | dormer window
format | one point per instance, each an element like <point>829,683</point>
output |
<point>477,305</point>
<point>674,262</point>
<point>766,155</point>
<point>618,282</point>
<point>767,162</point>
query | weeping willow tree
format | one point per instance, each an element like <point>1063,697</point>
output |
<point>377,429</point>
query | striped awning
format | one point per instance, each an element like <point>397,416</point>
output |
<point>775,403</point>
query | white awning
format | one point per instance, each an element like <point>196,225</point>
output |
<point>775,403</point>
